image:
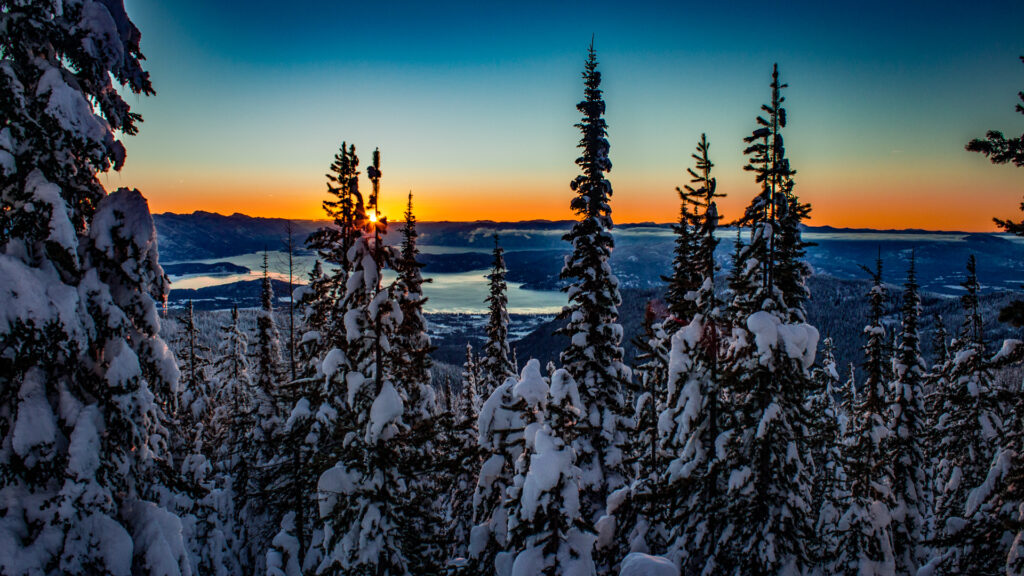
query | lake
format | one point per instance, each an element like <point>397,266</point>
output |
<point>462,292</point>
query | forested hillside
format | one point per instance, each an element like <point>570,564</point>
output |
<point>690,410</point>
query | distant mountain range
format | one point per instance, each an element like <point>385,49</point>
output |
<point>535,249</point>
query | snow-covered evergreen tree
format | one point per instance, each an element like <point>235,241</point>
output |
<point>361,494</point>
<point>334,243</point>
<point>594,355</point>
<point>690,425</point>
<point>995,508</point>
<point>831,490</point>
<point>464,459</point>
<point>649,393</point>
<point>865,532</point>
<point>967,427</point>
<point>495,362</point>
<point>411,344</point>
<point>685,278</point>
<point>472,389</point>
<point>200,501</point>
<point>547,530</point>
<point>906,447</point>
<point>194,356</point>
<point>765,458</point>
<point>315,305</point>
<point>425,538</point>
<point>314,405</point>
<point>268,348</point>
<point>85,380</point>
<point>232,400</point>
<point>191,434</point>
<point>940,343</point>
<point>261,425</point>
<point>500,428</point>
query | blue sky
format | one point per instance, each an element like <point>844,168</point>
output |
<point>473,104</point>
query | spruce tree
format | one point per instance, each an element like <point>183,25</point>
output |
<point>906,446</point>
<point>313,404</point>
<point>232,400</point>
<point>268,355</point>
<point>594,356</point>
<point>995,508</point>
<point>831,489</point>
<point>314,301</point>
<point>424,537</point>
<point>765,461</point>
<point>685,278</point>
<point>464,452</point>
<point>334,243</point>
<point>632,518</point>
<point>865,525</point>
<point>85,378</point>
<point>500,428</point>
<point>194,355</point>
<point>940,343</point>
<point>472,390</point>
<point>361,495</point>
<point>412,346</point>
<point>692,421</point>
<point>649,393</point>
<point>192,414</point>
<point>695,241</point>
<point>548,532</point>
<point>966,428</point>
<point>495,363</point>
<point>262,424</point>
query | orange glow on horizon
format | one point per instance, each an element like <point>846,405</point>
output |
<point>963,202</point>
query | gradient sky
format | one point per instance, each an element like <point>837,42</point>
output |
<point>473,104</point>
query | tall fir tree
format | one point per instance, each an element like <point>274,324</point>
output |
<point>262,424</point>
<point>361,495</point>
<point>692,420</point>
<point>464,460</point>
<point>906,446</point>
<point>425,538</point>
<point>831,488</point>
<point>472,388</point>
<point>495,362</point>
<point>314,405</point>
<point>966,429</point>
<point>594,355</point>
<point>412,346</point>
<point>192,414</point>
<point>765,457</point>
<point>85,378</point>
<point>334,243</point>
<point>865,525</point>
<point>268,351</point>
<point>940,343</point>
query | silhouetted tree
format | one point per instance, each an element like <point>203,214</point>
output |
<point>1002,150</point>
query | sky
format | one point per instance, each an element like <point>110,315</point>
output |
<point>472,104</point>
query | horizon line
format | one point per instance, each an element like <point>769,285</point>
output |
<point>616,224</point>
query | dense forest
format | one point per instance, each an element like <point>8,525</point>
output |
<point>322,440</point>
